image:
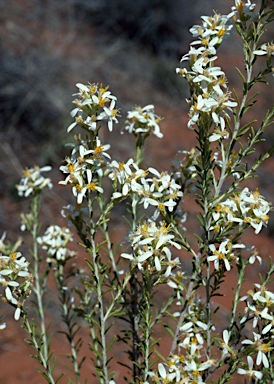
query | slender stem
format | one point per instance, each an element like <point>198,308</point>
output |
<point>241,271</point>
<point>37,345</point>
<point>189,293</point>
<point>39,287</point>
<point>100,295</point>
<point>147,338</point>
<point>68,319</point>
<point>74,360</point>
<point>134,316</point>
<point>208,312</point>
<point>108,241</point>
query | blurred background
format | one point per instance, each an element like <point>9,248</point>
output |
<point>134,47</point>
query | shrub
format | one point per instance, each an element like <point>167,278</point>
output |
<point>139,284</point>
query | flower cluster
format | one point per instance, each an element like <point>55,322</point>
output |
<point>154,188</point>
<point>260,308</point>
<point>243,11</point>
<point>55,241</point>
<point>223,254</point>
<point>93,104</point>
<point>207,82</point>
<point>126,176</point>
<point>261,348</point>
<point>179,370</point>
<point>250,372</point>
<point>159,190</point>
<point>143,120</point>
<point>190,365</point>
<point>245,208</point>
<point>16,280</point>
<point>33,181</point>
<point>150,248</point>
<point>84,166</point>
<point>89,156</point>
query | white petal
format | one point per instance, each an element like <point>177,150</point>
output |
<point>17,313</point>
<point>6,272</point>
<point>259,53</point>
<point>162,370</point>
<point>127,256</point>
<point>266,329</point>
<point>265,361</point>
<point>157,264</point>
<point>250,362</point>
<point>71,126</point>
<point>82,87</point>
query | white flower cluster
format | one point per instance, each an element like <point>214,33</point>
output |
<point>150,248</point>
<point>187,367</point>
<point>93,104</point>
<point>230,350</point>
<point>54,241</point>
<point>245,208</point>
<point>180,370</point>
<point>33,181</point>
<point>16,279</point>
<point>207,82</point>
<point>260,308</point>
<point>143,120</point>
<point>127,175</point>
<point>83,167</point>
<point>223,254</point>
<point>157,189</point>
<point>249,371</point>
<point>89,159</point>
<point>261,348</point>
<point>244,11</point>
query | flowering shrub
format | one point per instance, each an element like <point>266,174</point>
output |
<point>140,283</point>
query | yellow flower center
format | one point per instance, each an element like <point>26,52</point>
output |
<point>92,186</point>
<point>121,165</point>
<point>265,347</point>
<point>221,32</point>
<point>26,173</point>
<point>220,255</point>
<point>70,168</point>
<point>240,7</point>
<point>161,206</point>
<point>13,256</point>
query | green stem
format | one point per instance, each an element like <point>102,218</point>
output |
<point>241,270</point>
<point>37,346</point>
<point>100,296</point>
<point>39,286</point>
<point>59,275</point>
<point>147,334</point>
<point>187,297</point>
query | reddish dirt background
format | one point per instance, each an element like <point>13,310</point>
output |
<point>132,83</point>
